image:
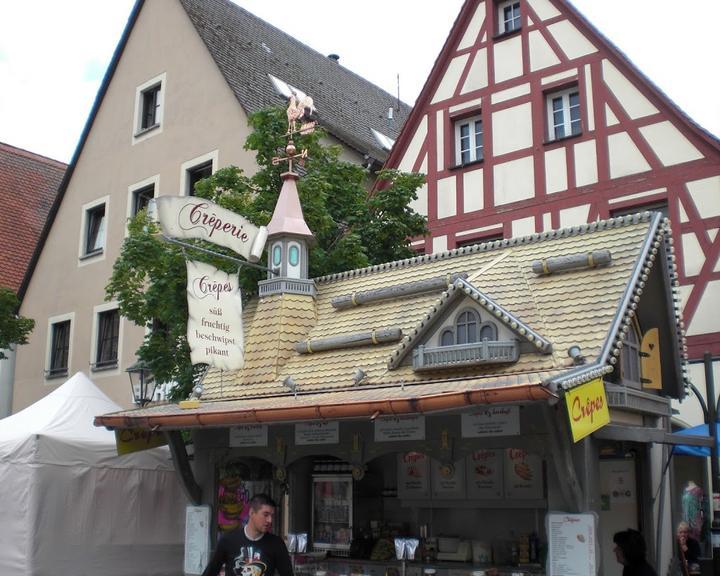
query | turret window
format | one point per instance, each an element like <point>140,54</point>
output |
<point>277,255</point>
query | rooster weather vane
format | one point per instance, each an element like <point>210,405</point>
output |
<point>300,121</point>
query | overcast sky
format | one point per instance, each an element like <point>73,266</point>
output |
<point>53,53</point>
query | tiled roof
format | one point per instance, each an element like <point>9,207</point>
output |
<point>28,185</point>
<point>587,307</point>
<point>247,49</point>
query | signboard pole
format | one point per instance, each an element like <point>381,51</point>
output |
<point>217,255</point>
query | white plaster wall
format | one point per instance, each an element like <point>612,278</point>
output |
<point>571,40</point>
<point>706,196</point>
<point>586,171</point>
<point>693,257</point>
<point>690,410</point>
<point>543,8</point>
<point>477,77</point>
<point>514,180</point>
<point>439,244</point>
<point>574,216</point>
<point>512,129</point>
<point>446,197</point>
<point>420,205</point>
<point>559,76</point>
<point>636,196</point>
<point>541,55</point>
<point>705,319</point>
<point>413,149</point>
<point>590,112</point>
<point>625,157</point>
<point>446,88</point>
<point>547,221</point>
<point>475,102</point>
<point>440,140</point>
<point>669,143</point>
<point>508,59</point>
<point>523,227</point>
<point>610,118</point>
<point>473,29</point>
<point>631,99</point>
<point>514,92</point>
<point>555,170</point>
<point>473,186</point>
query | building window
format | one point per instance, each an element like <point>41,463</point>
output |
<point>563,113</point>
<point>59,349</point>
<point>488,331</point>
<point>460,243</point>
<point>630,358</point>
<point>197,173</point>
<point>467,327</point>
<point>508,16</point>
<point>150,107</point>
<point>141,198</point>
<point>468,140</point>
<point>95,224</point>
<point>447,338</point>
<point>108,338</point>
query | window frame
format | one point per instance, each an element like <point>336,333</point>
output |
<point>89,212</point>
<point>188,167</point>
<point>502,30</point>
<point>134,189</point>
<point>99,364</point>
<point>564,94</point>
<point>472,122</point>
<point>661,206</point>
<point>630,357</point>
<point>141,130</point>
<point>50,372</point>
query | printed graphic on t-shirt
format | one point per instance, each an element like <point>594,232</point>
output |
<point>248,562</point>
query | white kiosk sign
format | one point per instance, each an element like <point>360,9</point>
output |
<point>317,433</point>
<point>248,435</point>
<point>491,421</point>
<point>394,428</point>
<point>572,550</point>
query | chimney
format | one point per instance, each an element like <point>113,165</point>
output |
<point>335,57</point>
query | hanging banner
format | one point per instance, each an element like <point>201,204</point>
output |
<point>190,217</point>
<point>214,331</point>
<point>587,408</point>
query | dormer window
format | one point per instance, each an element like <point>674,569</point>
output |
<point>468,329</point>
<point>630,358</point>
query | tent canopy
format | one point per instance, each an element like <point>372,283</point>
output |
<point>71,505</point>
<point>700,451</point>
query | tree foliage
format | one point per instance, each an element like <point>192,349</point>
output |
<point>352,227</point>
<point>14,329</point>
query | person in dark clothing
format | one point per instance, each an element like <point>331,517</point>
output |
<point>252,550</point>
<point>630,550</point>
<point>688,548</point>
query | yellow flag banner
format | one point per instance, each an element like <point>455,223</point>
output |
<point>137,439</point>
<point>587,408</point>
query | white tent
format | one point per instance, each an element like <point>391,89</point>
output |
<point>70,505</point>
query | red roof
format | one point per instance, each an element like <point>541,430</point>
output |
<point>28,186</point>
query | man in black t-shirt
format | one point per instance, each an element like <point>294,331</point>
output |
<point>252,550</point>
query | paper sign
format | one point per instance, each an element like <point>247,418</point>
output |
<point>484,471</point>
<point>523,475</point>
<point>197,538</point>
<point>491,421</point>
<point>448,480</point>
<point>394,428</point>
<point>191,217</point>
<point>413,475</point>
<point>587,408</point>
<point>214,330</point>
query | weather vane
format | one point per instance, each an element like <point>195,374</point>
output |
<point>300,111</point>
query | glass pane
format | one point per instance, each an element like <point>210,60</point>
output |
<point>277,255</point>
<point>294,256</point>
<point>447,338</point>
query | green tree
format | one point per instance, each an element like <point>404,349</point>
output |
<point>353,228</point>
<point>14,329</point>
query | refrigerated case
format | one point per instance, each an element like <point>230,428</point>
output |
<point>332,512</point>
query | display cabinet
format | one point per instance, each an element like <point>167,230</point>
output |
<point>332,512</point>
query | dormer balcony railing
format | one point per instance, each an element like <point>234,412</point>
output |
<point>457,355</point>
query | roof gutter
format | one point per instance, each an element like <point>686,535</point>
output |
<point>372,409</point>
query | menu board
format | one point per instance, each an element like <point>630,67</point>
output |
<point>413,475</point>
<point>491,421</point>
<point>197,538</point>
<point>448,480</point>
<point>394,428</point>
<point>484,472</point>
<point>247,435</point>
<point>523,475</point>
<point>320,432</point>
<point>572,550</point>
